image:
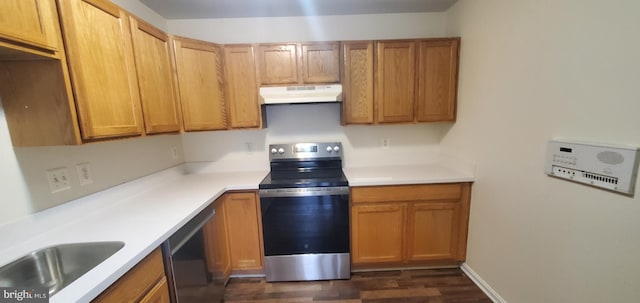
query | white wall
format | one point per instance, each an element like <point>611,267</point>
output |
<point>15,195</point>
<point>24,185</point>
<point>322,28</point>
<point>143,12</point>
<point>228,150</point>
<point>530,71</point>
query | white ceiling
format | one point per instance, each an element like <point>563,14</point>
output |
<point>194,9</point>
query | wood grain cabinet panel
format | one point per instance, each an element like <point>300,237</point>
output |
<point>31,22</point>
<point>244,231</point>
<point>320,62</point>
<point>242,87</point>
<point>278,64</point>
<point>217,243</point>
<point>43,116</point>
<point>409,225</point>
<point>377,233</point>
<point>415,81</point>
<point>432,231</point>
<point>437,79</point>
<point>145,280</point>
<point>200,74</point>
<point>395,80</point>
<point>158,294</point>
<point>155,78</point>
<point>357,82</point>
<point>100,53</point>
<point>298,63</point>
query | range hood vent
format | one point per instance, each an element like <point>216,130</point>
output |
<point>301,94</point>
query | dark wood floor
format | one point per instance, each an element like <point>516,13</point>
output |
<point>433,285</point>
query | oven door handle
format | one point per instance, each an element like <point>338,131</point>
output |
<point>304,192</point>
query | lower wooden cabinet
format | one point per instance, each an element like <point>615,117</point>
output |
<point>146,282</point>
<point>234,236</point>
<point>244,230</point>
<point>217,243</point>
<point>378,232</point>
<point>409,225</point>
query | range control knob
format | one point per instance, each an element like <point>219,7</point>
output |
<point>336,148</point>
<point>281,150</point>
<point>329,149</point>
<point>274,151</point>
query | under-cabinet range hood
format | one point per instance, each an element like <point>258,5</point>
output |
<point>301,94</point>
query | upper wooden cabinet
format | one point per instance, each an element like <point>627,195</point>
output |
<point>415,81</point>
<point>395,78</point>
<point>242,87</point>
<point>320,62</point>
<point>100,53</point>
<point>357,82</point>
<point>30,22</point>
<point>103,74</point>
<point>155,78</point>
<point>298,63</point>
<point>409,225</point>
<point>278,64</point>
<point>437,79</point>
<point>200,73</point>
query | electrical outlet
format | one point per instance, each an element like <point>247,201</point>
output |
<point>174,152</point>
<point>58,179</point>
<point>385,143</point>
<point>84,173</point>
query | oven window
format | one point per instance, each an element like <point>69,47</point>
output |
<point>304,225</point>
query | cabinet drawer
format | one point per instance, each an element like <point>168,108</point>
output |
<point>133,285</point>
<point>158,294</point>
<point>397,193</point>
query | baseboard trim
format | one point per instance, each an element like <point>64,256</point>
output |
<point>482,284</point>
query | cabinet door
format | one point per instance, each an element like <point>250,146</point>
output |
<point>278,64</point>
<point>432,231</point>
<point>320,62</point>
<point>155,78</point>
<point>134,284</point>
<point>437,80</point>
<point>395,78</point>
<point>158,294</point>
<point>100,54</point>
<point>216,243</point>
<point>357,82</point>
<point>29,21</point>
<point>201,84</point>
<point>244,230</point>
<point>242,89</point>
<point>377,232</point>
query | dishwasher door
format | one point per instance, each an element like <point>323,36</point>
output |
<point>187,263</point>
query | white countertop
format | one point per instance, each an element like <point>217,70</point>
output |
<point>145,212</point>
<point>142,213</point>
<point>405,174</point>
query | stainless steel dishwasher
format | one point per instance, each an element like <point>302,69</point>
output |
<point>186,264</point>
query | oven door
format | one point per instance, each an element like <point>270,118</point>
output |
<point>307,227</point>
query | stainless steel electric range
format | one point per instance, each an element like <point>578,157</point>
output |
<point>305,213</point>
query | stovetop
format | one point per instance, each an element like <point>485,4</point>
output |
<point>301,165</point>
<point>324,178</point>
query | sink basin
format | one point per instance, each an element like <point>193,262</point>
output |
<point>57,266</point>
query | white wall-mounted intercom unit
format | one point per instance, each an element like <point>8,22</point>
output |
<point>606,166</point>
